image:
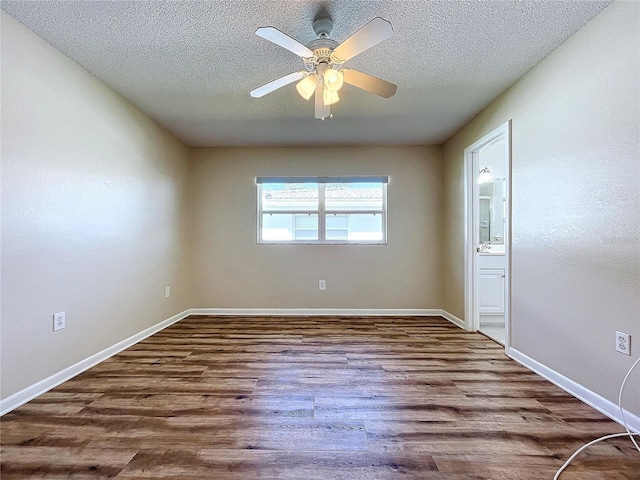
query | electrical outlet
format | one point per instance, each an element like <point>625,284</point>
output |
<point>59,321</point>
<point>322,285</point>
<point>623,343</point>
<point>167,292</point>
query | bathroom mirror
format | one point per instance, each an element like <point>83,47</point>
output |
<point>492,211</point>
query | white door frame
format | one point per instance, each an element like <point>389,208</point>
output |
<point>471,236</point>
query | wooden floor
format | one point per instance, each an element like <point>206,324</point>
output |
<point>310,398</point>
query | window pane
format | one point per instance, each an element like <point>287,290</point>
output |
<point>353,196</point>
<point>337,221</point>
<point>306,221</point>
<point>306,234</point>
<point>289,196</point>
<point>337,227</point>
<point>287,227</point>
<point>365,227</point>
<point>305,227</point>
<point>338,234</point>
<point>353,212</point>
<point>277,227</point>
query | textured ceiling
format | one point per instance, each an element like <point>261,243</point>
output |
<point>191,64</point>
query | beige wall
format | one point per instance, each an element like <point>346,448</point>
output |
<point>95,217</point>
<point>231,271</point>
<point>576,203</point>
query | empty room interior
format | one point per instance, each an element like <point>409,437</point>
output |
<point>322,240</point>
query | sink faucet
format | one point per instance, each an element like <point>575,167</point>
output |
<point>484,247</point>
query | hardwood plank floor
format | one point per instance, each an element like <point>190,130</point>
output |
<point>310,398</point>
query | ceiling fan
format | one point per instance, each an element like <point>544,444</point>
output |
<point>323,59</point>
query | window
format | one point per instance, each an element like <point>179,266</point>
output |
<point>322,210</point>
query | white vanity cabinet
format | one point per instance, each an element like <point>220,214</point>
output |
<point>491,291</point>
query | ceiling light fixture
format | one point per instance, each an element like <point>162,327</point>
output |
<point>329,97</point>
<point>333,79</point>
<point>323,59</point>
<point>307,86</point>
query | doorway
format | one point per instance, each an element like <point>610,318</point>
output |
<point>488,234</point>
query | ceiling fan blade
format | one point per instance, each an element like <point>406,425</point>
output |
<point>369,83</point>
<point>374,32</point>
<point>285,41</point>
<point>322,110</point>
<point>276,84</point>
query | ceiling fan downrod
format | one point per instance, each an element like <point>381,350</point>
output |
<point>323,27</point>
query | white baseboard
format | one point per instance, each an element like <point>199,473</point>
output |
<point>31,392</point>
<point>607,407</point>
<point>339,312</point>
<point>453,319</point>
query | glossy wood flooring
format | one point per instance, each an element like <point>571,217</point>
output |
<point>310,398</point>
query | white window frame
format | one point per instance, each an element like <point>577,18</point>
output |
<point>322,212</point>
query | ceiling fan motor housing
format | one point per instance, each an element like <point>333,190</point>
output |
<point>322,49</point>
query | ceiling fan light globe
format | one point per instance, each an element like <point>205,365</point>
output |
<point>307,86</point>
<point>329,97</point>
<point>333,79</point>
